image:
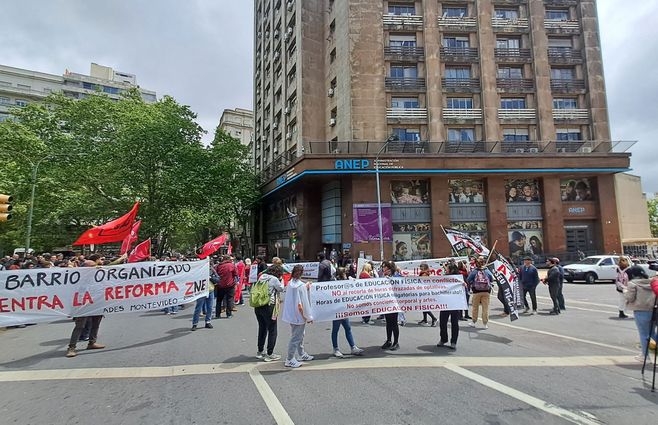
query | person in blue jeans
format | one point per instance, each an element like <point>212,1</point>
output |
<point>204,303</point>
<point>641,299</point>
<point>341,274</point>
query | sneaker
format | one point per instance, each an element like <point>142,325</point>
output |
<point>271,357</point>
<point>234,309</point>
<point>338,354</point>
<point>504,315</point>
<point>525,311</point>
<point>71,352</point>
<point>433,323</point>
<point>209,325</point>
<point>294,363</point>
<point>534,312</point>
<point>422,322</point>
<point>441,343</point>
<point>401,323</point>
<point>356,351</point>
<point>260,355</point>
<point>95,346</point>
<point>306,357</point>
<point>453,346</point>
<point>471,324</point>
<point>193,328</point>
<point>486,326</point>
<point>386,345</point>
<point>638,358</point>
<point>174,312</point>
<point>395,347</point>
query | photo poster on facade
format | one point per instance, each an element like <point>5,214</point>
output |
<point>45,295</point>
<point>526,239</point>
<point>371,297</point>
<point>410,192</point>
<point>412,241</point>
<point>466,191</point>
<point>365,222</point>
<point>437,266</point>
<point>522,190</point>
<point>577,189</point>
<point>475,230</point>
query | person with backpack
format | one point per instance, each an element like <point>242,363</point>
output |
<point>205,303</point>
<point>297,311</point>
<point>325,272</point>
<point>265,294</point>
<point>226,289</point>
<point>480,281</point>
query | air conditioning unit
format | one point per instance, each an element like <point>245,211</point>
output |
<point>420,150</point>
<point>562,150</point>
<point>276,34</point>
<point>520,150</point>
<point>267,34</point>
<point>587,149</point>
<point>287,110</point>
<point>533,150</point>
<point>290,6</point>
<point>330,92</point>
<point>332,122</point>
<point>277,54</point>
<point>286,37</point>
<point>335,151</point>
<point>289,31</point>
<point>275,125</point>
<point>289,135</point>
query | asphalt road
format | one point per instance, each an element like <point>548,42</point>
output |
<point>574,368</point>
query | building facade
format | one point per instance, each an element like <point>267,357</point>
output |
<point>487,116</point>
<point>635,229</point>
<point>239,123</point>
<point>19,87</point>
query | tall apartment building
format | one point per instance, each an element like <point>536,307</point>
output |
<point>19,87</point>
<point>239,123</point>
<point>488,116</point>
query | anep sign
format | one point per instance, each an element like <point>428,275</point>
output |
<point>351,164</point>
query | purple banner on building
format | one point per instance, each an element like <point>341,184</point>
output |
<point>366,225</point>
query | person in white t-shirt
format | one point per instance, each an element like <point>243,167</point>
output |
<point>297,312</point>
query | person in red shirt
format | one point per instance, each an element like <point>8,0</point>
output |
<point>240,269</point>
<point>225,291</point>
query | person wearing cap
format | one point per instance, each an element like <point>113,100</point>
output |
<point>529,279</point>
<point>553,282</point>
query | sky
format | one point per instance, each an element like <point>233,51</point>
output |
<point>200,52</point>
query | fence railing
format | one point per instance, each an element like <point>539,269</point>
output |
<point>462,113</point>
<point>414,20</point>
<point>406,113</point>
<point>405,84</point>
<point>517,113</point>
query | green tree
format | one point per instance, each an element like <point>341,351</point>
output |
<point>652,205</point>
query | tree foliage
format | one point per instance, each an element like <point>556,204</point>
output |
<point>99,156</point>
<point>652,206</point>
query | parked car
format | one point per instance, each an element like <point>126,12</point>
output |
<point>598,267</point>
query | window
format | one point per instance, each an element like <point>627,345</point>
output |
<point>461,135</point>
<point>407,134</point>
<point>5,83</point>
<point>460,103</point>
<point>459,42</point>
<point>508,43</point>
<point>88,86</point>
<point>562,73</point>
<point>404,71</point>
<point>4,100</point>
<point>515,135</point>
<point>20,102</point>
<point>568,134</point>
<point>454,12</point>
<point>405,102</point>
<point>398,40</point>
<point>510,72</point>
<point>401,10</point>
<point>559,43</point>
<point>110,90</point>
<point>557,15</point>
<point>565,104</point>
<point>512,103</point>
<point>607,262</point>
<point>458,73</point>
<point>23,86</point>
<point>506,13</point>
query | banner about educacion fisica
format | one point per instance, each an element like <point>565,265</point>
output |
<point>345,299</point>
<point>43,295</point>
<point>310,270</point>
<point>437,266</point>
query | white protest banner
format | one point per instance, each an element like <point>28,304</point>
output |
<point>42,295</point>
<point>310,270</point>
<point>369,297</point>
<point>253,273</point>
<point>506,279</point>
<point>461,241</point>
<point>438,266</point>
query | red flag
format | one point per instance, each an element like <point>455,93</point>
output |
<point>211,246</point>
<point>141,252</point>
<point>229,251</point>
<point>131,238</point>
<point>113,231</point>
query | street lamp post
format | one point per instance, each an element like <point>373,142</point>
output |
<point>30,211</point>
<point>379,199</point>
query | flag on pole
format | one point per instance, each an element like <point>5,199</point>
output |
<point>508,283</point>
<point>141,252</point>
<point>113,231</point>
<point>212,246</point>
<point>461,241</point>
<point>131,238</point>
<point>229,250</point>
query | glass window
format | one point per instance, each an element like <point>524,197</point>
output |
<point>111,90</point>
<point>508,43</point>
<point>88,86</point>
<point>607,262</point>
<point>401,71</point>
<point>402,40</point>
<point>460,42</point>
<point>5,83</point>
<point>4,100</point>
<point>515,134</point>
<point>407,134</point>
<point>509,72</point>
<point>506,14</point>
<point>20,102</point>
<point>559,42</point>
<point>461,135</point>
<point>460,103</point>
<point>404,102</point>
<point>512,103</point>
<point>565,104</point>
<point>458,73</point>
<point>568,134</point>
<point>401,10</point>
<point>562,73</point>
<point>557,15</point>
<point>454,12</point>
<point>23,86</point>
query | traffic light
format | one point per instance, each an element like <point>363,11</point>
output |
<point>5,207</point>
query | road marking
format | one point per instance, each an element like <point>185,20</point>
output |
<point>526,398</point>
<point>582,302</point>
<point>581,308</point>
<point>271,401</point>
<point>571,338</point>
<point>317,365</point>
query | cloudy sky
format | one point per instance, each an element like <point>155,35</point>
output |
<point>200,52</point>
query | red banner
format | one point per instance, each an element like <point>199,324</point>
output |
<point>131,238</point>
<point>113,231</point>
<point>212,246</point>
<point>141,252</point>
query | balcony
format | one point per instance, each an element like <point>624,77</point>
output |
<point>406,114</point>
<point>396,22</point>
<point>568,86</point>
<point>517,146</point>
<point>453,146</point>
<point>570,114</point>
<point>405,84</point>
<point>404,53</point>
<point>515,85</point>
<point>569,27</point>
<point>564,55</point>
<point>513,55</point>
<point>517,114</point>
<point>519,25</point>
<point>459,54</point>
<point>462,114</point>
<point>460,85</point>
<point>456,24</point>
